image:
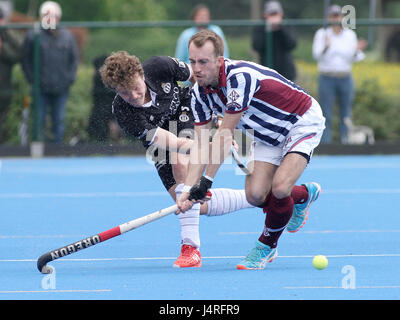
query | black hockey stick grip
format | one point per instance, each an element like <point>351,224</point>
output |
<point>71,248</point>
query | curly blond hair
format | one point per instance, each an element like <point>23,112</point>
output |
<point>120,70</point>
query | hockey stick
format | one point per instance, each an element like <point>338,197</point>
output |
<point>101,237</point>
<point>235,155</point>
<point>239,162</point>
<point>23,126</point>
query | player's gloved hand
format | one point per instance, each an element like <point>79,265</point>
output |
<point>199,191</point>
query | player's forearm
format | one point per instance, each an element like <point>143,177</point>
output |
<point>220,148</point>
<point>168,141</point>
<point>195,171</point>
<point>199,154</point>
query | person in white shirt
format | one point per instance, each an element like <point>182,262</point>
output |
<point>336,49</point>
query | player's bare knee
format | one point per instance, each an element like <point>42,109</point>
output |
<point>281,189</point>
<point>255,198</point>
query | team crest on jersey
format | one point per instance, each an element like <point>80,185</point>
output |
<point>232,105</point>
<point>184,117</point>
<point>166,87</point>
<point>233,96</point>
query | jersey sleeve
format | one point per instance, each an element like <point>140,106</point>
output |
<point>202,112</point>
<point>133,122</point>
<point>239,91</point>
<point>167,68</point>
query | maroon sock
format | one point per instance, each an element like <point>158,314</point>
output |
<point>279,214</point>
<point>264,205</point>
<point>299,194</point>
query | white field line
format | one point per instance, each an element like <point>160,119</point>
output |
<point>92,170</point>
<point>42,236</point>
<point>338,287</point>
<point>355,165</point>
<point>236,233</point>
<point>379,255</point>
<point>228,165</point>
<point>84,195</point>
<point>231,233</point>
<point>362,191</point>
<point>57,291</point>
<point>31,195</point>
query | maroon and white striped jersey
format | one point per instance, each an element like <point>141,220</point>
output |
<point>271,104</point>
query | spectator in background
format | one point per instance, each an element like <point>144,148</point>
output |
<point>392,49</point>
<point>201,17</point>
<point>58,66</point>
<point>102,124</point>
<point>283,42</point>
<point>10,53</point>
<point>336,48</point>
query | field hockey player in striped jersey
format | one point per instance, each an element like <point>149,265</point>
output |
<point>284,122</point>
<point>149,102</point>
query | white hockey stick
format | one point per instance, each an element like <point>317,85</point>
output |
<point>239,162</point>
<point>235,155</point>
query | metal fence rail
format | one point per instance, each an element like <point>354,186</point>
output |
<point>189,23</point>
<point>167,24</point>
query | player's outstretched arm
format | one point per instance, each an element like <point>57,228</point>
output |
<point>166,140</point>
<point>222,142</point>
<point>199,158</point>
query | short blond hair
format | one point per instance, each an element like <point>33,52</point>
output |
<point>120,70</point>
<point>201,37</point>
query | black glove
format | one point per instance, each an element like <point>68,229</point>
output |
<point>199,191</point>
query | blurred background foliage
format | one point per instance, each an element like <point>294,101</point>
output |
<point>377,82</point>
<point>106,10</point>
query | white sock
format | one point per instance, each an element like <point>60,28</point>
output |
<point>189,221</point>
<point>224,201</point>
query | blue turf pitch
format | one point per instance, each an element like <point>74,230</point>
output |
<point>51,202</point>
